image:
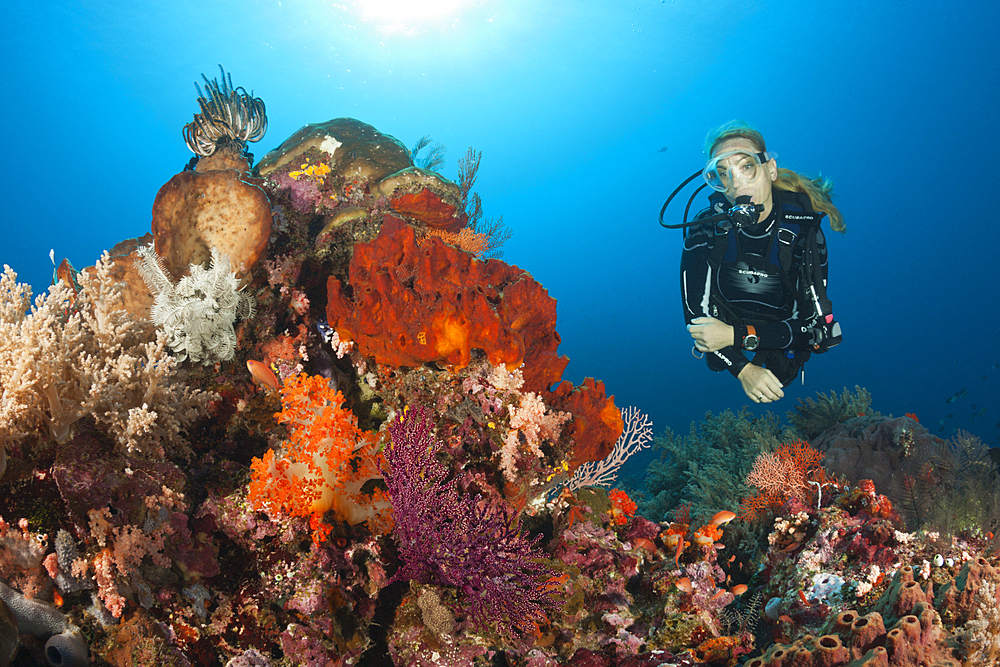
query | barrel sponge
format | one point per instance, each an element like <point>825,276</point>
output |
<point>800,652</point>
<point>958,597</point>
<point>828,651</point>
<point>195,211</point>
<point>903,642</point>
<point>902,596</point>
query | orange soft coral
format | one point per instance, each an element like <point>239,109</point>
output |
<point>707,535</point>
<point>622,507</point>
<point>408,305</point>
<point>307,480</point>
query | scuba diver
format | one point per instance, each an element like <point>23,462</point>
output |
<point>754,265</point>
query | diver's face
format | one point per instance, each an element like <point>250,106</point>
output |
<point>743,179</point>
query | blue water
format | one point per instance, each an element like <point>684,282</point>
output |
<point>572,104</point>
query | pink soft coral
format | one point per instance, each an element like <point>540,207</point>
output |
<point>532,422</point>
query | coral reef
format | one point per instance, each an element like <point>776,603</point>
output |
<point>947,486</point>
<point>383,463</point>
<point>706,470</point>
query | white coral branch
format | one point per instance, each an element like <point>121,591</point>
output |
<point>636,436</point>
<point>74,354</point>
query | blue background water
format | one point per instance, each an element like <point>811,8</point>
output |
<point>587,113</point>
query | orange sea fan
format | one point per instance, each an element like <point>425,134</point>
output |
<point>785,473</point>
<point>466,239</point>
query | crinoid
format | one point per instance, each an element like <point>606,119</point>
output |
<point>227,115</point>
<point>198,312</point>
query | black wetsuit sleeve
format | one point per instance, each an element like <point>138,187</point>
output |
<point>696,284</point>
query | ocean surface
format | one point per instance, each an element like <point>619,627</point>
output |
<point>588,113</point>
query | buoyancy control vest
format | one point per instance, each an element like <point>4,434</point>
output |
<point>797,225</point>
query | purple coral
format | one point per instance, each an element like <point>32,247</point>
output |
<point>303,193</point>
<point>453,539</point>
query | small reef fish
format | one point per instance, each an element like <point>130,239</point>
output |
<point>958,395</point>
<point>725,516</point>
<point>643,543</point>
<point>554,583</point>
<point>325,331</point>
<point>663,150</point>
<point>262,375</point>
<point>680,549</point>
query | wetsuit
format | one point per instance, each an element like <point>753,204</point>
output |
<point>742,284</point>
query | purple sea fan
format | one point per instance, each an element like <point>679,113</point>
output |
<point>453,539</point>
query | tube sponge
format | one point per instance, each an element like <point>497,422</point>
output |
<point>67,649</point>
<point>9,638</point>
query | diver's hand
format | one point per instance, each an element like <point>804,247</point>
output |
<point>710,334</point>
<point>760,384</point>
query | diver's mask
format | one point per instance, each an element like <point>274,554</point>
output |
<point>726,170</point>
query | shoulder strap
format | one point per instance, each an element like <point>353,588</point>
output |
<point>799,217</point>
<point>796,216</point>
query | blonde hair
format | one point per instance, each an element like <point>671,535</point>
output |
<point>819,190</point>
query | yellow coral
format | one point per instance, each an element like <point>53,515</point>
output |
<point>313,171</point>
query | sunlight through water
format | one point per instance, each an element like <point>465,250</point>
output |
<point>405,16</point>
